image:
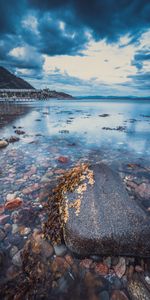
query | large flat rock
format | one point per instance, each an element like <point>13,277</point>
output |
<point>102,219</point>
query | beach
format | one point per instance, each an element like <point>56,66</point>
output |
<point>53,137</point>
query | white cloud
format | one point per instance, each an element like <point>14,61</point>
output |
<point>109,63</point>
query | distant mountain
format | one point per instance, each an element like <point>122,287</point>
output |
<point>112,97</point>
<point>10,81</point>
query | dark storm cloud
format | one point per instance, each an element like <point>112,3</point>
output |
<point>106,19</point>
<point>60,41</point>
<point>63,28</point>
<point>11,12</point>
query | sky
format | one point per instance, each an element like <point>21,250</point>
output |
<point>82,47</point>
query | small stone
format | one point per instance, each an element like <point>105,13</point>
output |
<point>15,228</point>
<point>1,257</point>
<point>63,159</point>
<point>147,279</point>
<point>1,209</point>
<point>69,259</point>
<point>86,263</point>
<point>139,269</point>
<point>7,227</point>
<point>17,261</point>
<point>47,249</point>
<point>114,261</point>
<point>17,131</point>
<point>59,264</point>
<point>13,139</point>
<point>2,235</point>
<point>116,282</point>
<point>3,144</point>
<point>12,272</point>
<point>120,268</point>
<point>14,203</point>
<point>10,197</point>
<point>4,219</point>
<point>39,245</point>
<point>96,258</point>
<point>24,230</point>
<point>60,250</point>
<point>119,295</point>
<point>104,295</point>
<point>13,251</point>
<point>107,261</point>
<point>101,269</point>
<point>130,272</point>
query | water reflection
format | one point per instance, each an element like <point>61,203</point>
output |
<point>84,120</point>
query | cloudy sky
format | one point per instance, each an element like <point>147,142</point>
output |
<point>84,47</point>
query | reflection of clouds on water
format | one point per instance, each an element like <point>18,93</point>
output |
<point>85,124</point>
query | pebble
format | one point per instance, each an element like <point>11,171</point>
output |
<point>86,263</point>
<point>13,139</point>
<point>119,295</point>
<point>13,251</point>
<point>24,230</point>
<point>104,295</point>
<point>3,144</point>
<point>60,250</point>
<point>15,228</point>
<point>14,203</point>
<point>147,279</point>
<point>12,272</point>
<point>107,261</point>
<point>1,257</point>
<point>101,269</point>
<point>2,235</point>
<point>4,219</point>
<point>139,269</point>
<point>63,159</point>
<point>59,264</point>
<point>1,209</point>
<point>120,268</point>
<point>10,197</point>
<point>7,227</point>
<point>17,261</point>
<point>18,131</point>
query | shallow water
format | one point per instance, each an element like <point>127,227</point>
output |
<point>116,132</point>
<point>82,122</point>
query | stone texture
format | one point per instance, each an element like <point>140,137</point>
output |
<point>3,144</point>
<point>106,221</point>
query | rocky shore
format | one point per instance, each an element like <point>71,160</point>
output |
<point>33,267</point>
<point>44,192</point>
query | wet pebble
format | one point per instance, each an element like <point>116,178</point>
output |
<point>13,251</point>
<point>4,219</point>
<point>60,250</point>
<point>119,295</point>
<point>14,203</point>
<point>86,263</point>
<point>17,261</point>
<point>63,159</point>
<point>2,235</point>
<point>101,269</point>
<point>3,144</point>
<point>24,230</point>
<point>120,268</point>
<point>104,295</point>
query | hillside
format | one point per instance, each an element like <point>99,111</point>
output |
<point>10,81</point>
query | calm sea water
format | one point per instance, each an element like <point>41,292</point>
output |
<point>81,123</point>
<point>81,130</point>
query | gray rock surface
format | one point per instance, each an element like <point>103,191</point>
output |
<point>108,221</point>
